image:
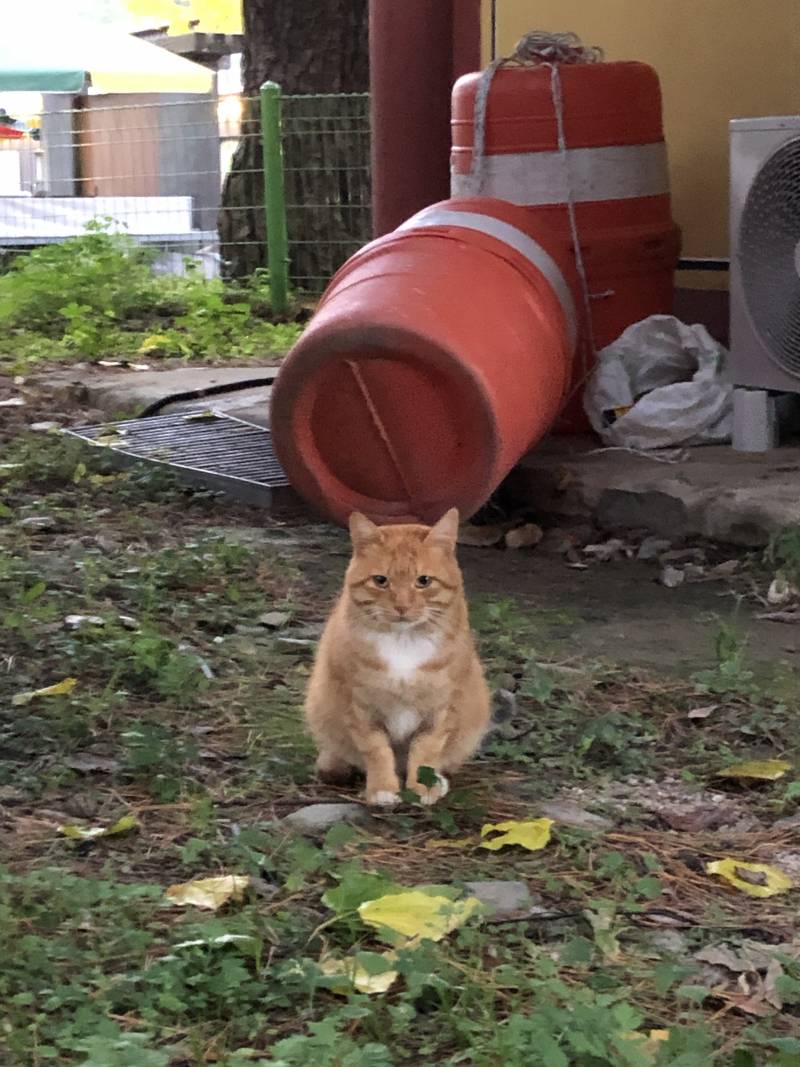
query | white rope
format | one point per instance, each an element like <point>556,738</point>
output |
<point>665,455</point>
<point>479,126</point>
<point>545,49</point>
<point>587,359</point>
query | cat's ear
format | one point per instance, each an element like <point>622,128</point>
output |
<point>445,532</point>
<point>362,529</point>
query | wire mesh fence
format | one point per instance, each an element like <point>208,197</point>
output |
<point>184,174</point>
<point>326,146</point>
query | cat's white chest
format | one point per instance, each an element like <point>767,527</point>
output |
<point>404,653</point>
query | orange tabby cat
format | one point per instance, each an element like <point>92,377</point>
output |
<point>397,684</point>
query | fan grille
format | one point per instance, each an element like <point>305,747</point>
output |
<point>769,236</point>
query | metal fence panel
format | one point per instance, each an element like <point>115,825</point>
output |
<point>184,174</point>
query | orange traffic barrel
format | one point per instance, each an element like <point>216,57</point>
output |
<point>438,355</point>
<point>580,138</point>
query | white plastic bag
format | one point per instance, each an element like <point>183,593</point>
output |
<point>659,385</point>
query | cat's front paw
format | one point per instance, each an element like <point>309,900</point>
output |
<point>383,798</point>
<point>429,795</point>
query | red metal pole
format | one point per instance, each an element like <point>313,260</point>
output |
<point>417,49</point>
<point>466,37</point>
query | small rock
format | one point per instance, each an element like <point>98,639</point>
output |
<point>683,555</point>
<point>609,550</point>
<point>725,569</point>
<point>43,427</point>
<point>38,522</point>
<point>504,706</point>
<point>694,572</point>
<point>108,544</point>
<point>564,811</point>
<point>274,619</point>
<point>88,763</point>
<point>12,402</point>
<point>317,818</point>
<point>652,548</point>
<point>789,822</point>
<point>526,536</point>
<point>501,898</point>
<point>780,591</point>
<point>671,577</point>
<point>789,863</point>
<point>700,817</point>
<point>672,942</point>
<point>75,622</point>
<point>128,622</point>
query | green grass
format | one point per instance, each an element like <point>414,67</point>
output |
<point>96,296</point>
<point>190,705</point>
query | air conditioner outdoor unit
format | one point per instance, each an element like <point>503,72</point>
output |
<point>765,253</point>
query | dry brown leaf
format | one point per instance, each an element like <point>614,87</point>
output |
<point>526,536</point>
<point>209,893</point>
<point>703,712</point>
<point>480,536</point>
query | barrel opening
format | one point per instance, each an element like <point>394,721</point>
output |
<point>376,403</point>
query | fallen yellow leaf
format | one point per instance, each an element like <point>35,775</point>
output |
<point>532,834</point>
<point>210,893</point>
<point>59,689</point>
<point>88,833</point>
<point>766,770</point>
<point>755,879</point>
<point>415,914</point>
<point>356,976</point>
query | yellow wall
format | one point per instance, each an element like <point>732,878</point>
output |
<point>717,60</point>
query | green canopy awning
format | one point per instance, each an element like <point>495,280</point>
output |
<point>41,81</point>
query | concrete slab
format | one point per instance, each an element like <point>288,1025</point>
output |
<point>714,492</point>
<point>118,391</point>
<point>250,405</point>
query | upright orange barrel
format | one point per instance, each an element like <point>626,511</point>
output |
<point>592,133</point>
<point>439,354</point>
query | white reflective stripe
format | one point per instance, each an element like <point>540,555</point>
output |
<point>514,238</point>
<point>615,172</point>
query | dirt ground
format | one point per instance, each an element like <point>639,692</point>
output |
<point>177,630</point>
<point>618,612</point>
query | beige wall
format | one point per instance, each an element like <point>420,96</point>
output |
<point>717,59</point>
<point>117,147</point>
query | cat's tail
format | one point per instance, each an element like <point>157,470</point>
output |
<point>504,711</point>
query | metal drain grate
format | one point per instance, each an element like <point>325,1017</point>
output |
<point>209,449</point>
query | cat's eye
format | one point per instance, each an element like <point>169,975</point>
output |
<point>424,581</point>
<point>380,580</point>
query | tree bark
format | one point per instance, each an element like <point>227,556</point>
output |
<point>306,46</point>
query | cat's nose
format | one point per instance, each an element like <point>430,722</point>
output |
<point>401,610</point>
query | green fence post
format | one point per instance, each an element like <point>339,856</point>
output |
<point>274,198</point>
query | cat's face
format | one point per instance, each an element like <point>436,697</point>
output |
<point>401,577</point>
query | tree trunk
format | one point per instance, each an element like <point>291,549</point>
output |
<point>306,46</point>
